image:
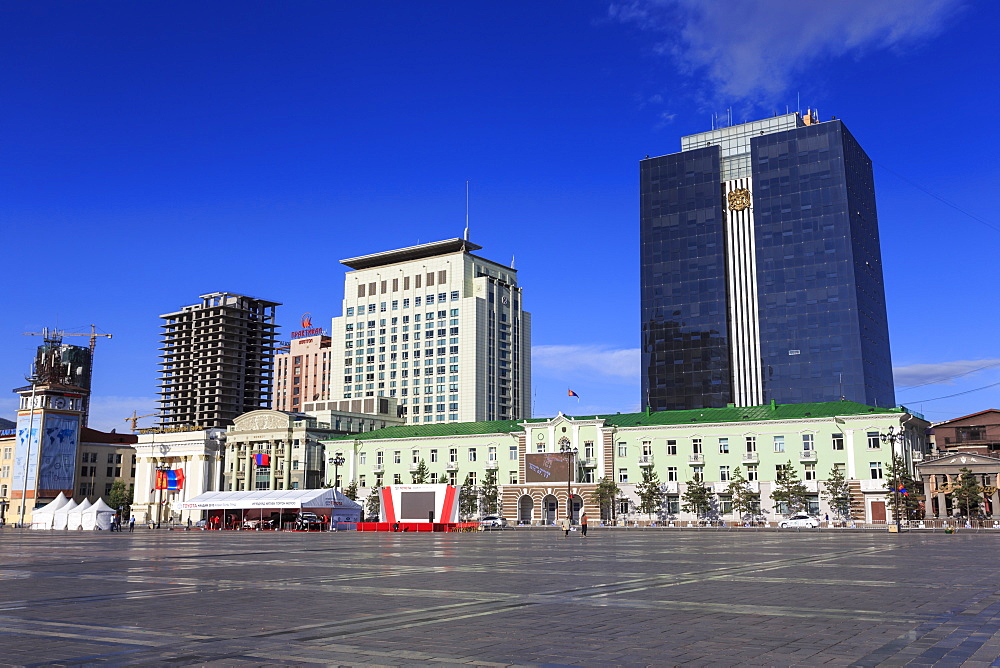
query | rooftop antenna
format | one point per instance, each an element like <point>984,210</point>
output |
<point>466,210</point>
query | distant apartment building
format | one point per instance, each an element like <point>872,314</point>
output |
<point>217,360</point>
<point>978,433</point>
<point>440,329</point>
<point>302,368</point>
<point>104,459</point>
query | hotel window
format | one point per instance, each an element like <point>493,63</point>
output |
<point>779,443</point>
<point>671,474</point>
<point>415,456</point>
<point>453,455</point>
<point>724,473</point>
<point>838,441</point>
<point>876,470</point>
<point>873,441</point>
<point>808,442</point>
<point>378,458</point>
<point>622,449</point>
<point>492,454</point>
<point>434,456</point>
<point>361,481</point>
<point>751,443</point>
<point>751,473</point>
<point>513,477</point>
<point>362,457</point>
<point>350,311</point>
<point>723,446</point>
<point>810,472</point>
<point>454,295</point>
<point>671,447</point>
<point>622,475</point>
<point>588,449</point>
<point>472,478</point>
<point>513,453</point>
<point>396,479</point>
<point>539,447</point>
<point>647,449</point>
<point>696,446</point>
<point>442,276</point>
<point>472,454</point>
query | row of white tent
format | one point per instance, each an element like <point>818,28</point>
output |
<point>63,513</point>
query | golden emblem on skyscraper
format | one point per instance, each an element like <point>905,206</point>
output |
<point>739,199</point>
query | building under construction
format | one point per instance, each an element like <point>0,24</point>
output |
<point>217,360</point>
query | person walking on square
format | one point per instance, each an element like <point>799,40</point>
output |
<point>131,524</point>
<point>565,526</point>
<point>583,524</point>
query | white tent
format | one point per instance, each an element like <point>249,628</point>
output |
<point>41,518</point>
<point>61,517</point>
<point>74,519</point>
<point>321,501</point>
<point>98,516</point>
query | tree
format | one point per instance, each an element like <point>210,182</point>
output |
<point>489,492</point>
<point>468,498</point>
<point>697,498</point>
<point>373,504</point>
<point>789,490</point>
<point>443,479</point>
<point>745,501</point>
<point>967,493</point>
<point>838,492</point>
<point>421,474</point>
<point>351,491</point>
<point>121,497</point>
<point>650,492</point>
<point>604,496</point>
<point>905,506</point>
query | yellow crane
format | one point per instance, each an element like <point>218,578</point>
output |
<point>135,419</point>
<point>57,335</point>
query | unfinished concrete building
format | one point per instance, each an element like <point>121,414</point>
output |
<point>217,360</point>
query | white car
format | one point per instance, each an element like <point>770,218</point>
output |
<point>799,521</point>
<point>492,522</point>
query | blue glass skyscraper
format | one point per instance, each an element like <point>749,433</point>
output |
<point>761,269</point>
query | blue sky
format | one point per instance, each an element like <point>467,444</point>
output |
<point>156,151</point>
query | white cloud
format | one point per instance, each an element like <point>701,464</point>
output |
<point>596,362</point>
<point>752,48</point>
<point>914,375</point>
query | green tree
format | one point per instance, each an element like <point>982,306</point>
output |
<point>468,499</point>
<point>604,496</point>
<point>789,490</point>
<point>650,492</point>
<point>443,479</point>
<point>967,494</point>
<point>351,491</point>
<point>421,474</point>
<point>838,493</point>
<point>490,493</point>
<point>121,497</point>
<point>697,498</point>
<point>745,501</point>
<point>373,505</point>
<point>897,475</point>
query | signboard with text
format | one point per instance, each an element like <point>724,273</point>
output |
<point>547,467</point>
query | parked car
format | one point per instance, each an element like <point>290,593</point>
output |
<point>490,522</point>
<point>799,521</point>
<point>309,522</point>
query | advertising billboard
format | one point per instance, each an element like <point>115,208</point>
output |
<point>548,467</point>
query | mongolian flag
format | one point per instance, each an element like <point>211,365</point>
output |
<point>262,460</point>
<point>902,490</point>
<point>571,393</point>
<point>170,480</point>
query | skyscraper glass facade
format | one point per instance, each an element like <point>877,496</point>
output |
<point>817,303</point>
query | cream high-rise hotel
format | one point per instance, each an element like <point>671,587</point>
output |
<point>440,329</point>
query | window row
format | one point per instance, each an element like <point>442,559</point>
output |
<point>749,443</point>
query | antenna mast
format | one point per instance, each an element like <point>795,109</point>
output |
<point>466,210</point>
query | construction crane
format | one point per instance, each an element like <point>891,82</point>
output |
<point>135,419</point>
<point>56,336</point>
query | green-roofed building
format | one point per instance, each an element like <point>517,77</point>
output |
<point>531,458</point>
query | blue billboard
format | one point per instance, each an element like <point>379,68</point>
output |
<point>52,467</point>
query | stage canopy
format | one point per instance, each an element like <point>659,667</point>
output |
<point>283,499</point>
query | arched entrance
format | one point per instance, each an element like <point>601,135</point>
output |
<point>576,504</point>
<point>525,509</point>
<point>550,509</point>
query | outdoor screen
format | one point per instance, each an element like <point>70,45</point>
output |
<point>414,506</point>
<point>547,467</point>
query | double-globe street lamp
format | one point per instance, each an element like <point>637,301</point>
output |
<point>570,476</point>
<point>337,462</point>
<point>892,438</point>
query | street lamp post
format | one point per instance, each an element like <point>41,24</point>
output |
<point>566,449</point>
<point>891,438</point>
<point>337,462</point>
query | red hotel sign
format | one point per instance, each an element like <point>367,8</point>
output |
<point>307,328</point>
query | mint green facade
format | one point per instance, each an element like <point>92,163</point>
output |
<point>677,445</point>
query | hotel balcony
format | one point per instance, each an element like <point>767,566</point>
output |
<point>750,458</point>
<point>646,460</point>
<point>588,462</point>
<point>378,468</point>
<point>807,456</point>
<point>696,459</point>
<point>492,465</point>
<point>414,467</point>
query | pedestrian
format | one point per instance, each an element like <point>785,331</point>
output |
<point>826,517</point>
<point>583,524</point>
<point>131,524</point>
<point>565,525</point>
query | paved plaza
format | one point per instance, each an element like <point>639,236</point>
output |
<point>528,597</point>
